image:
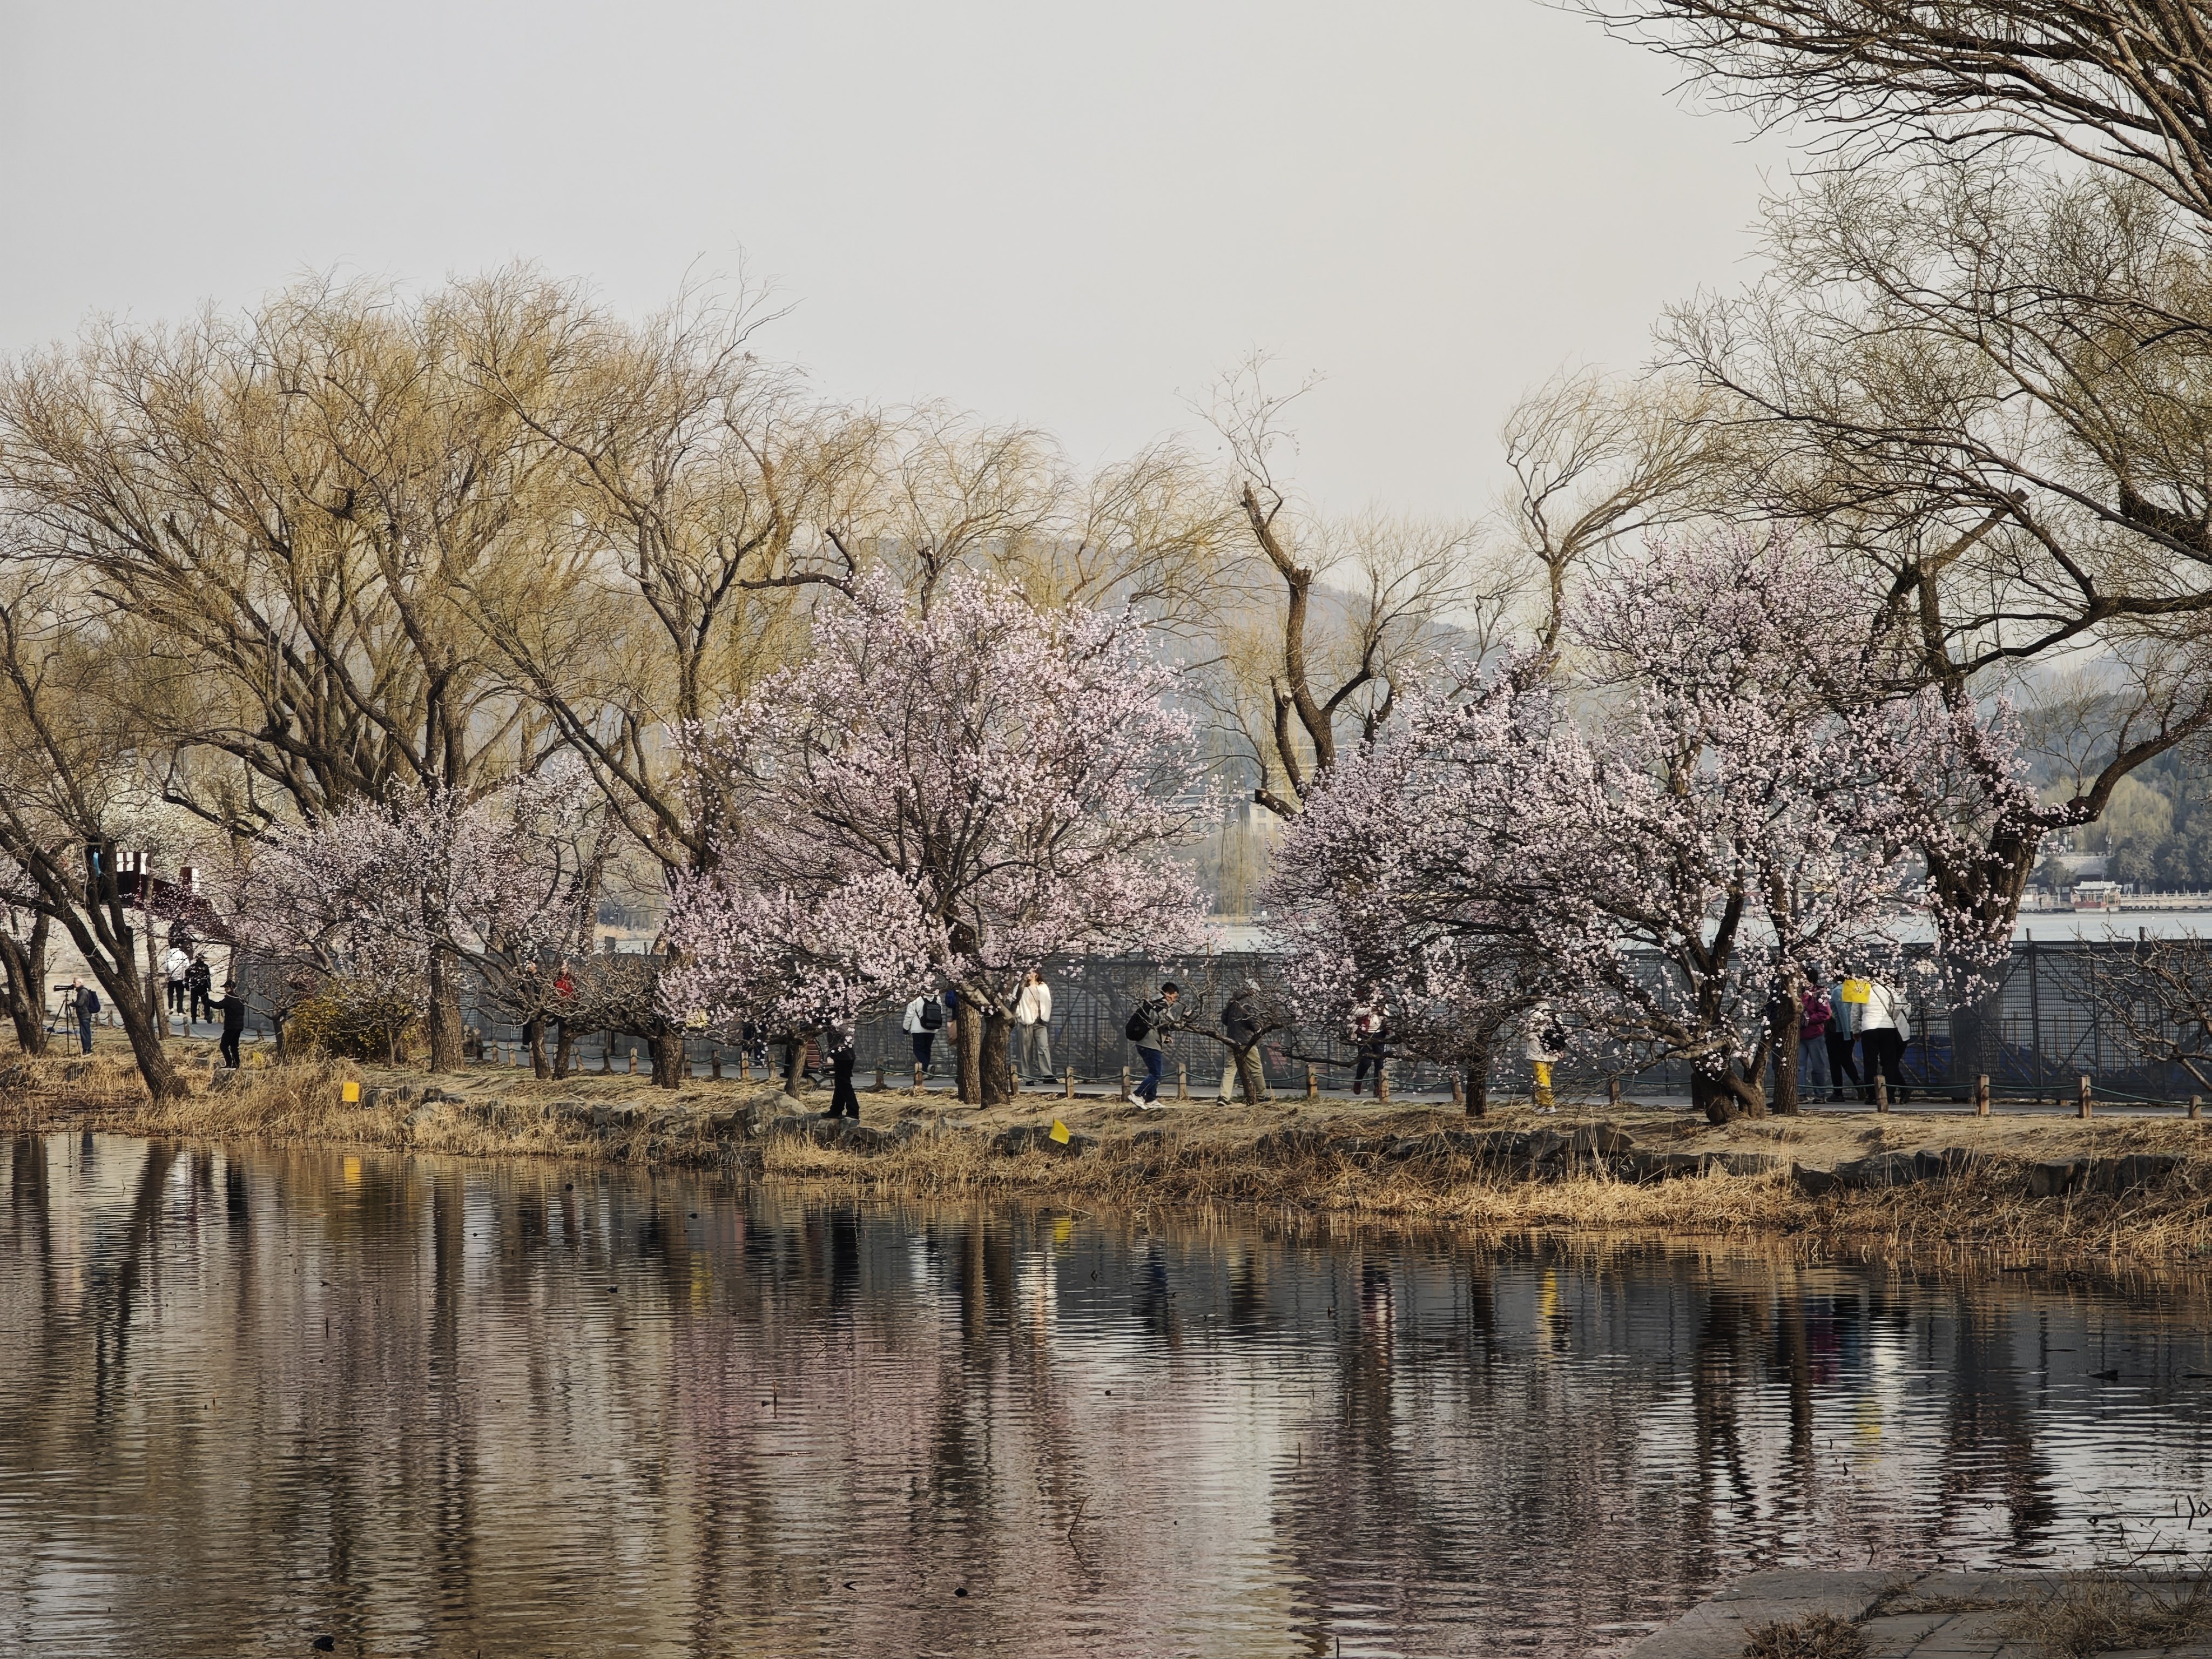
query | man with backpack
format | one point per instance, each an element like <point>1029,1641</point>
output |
<point>199,981</point>
<point>1241,1024</point>
<point>924,1018</point>
<point>1148,1023</point>
<point>83,1002</point>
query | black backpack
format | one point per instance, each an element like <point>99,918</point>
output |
<point>933,1015</point>
<point>1140,1023</point>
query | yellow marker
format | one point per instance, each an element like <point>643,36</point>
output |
<point>1857,990</point>
<point>1059,1131</point>
<point>350,1093</point>
<point>351,1168</point>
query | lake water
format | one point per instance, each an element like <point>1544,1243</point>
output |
<point>250,1397</point>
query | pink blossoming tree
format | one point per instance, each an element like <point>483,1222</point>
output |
<point>935,797</point>
<point>1720,796</point>
<point>408,898</point>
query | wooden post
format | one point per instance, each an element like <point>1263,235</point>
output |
<point>1313,1084</point>
<point>2195,1107</point>
<point>1067,1089</point>
<point>1124,1083</point>
<point>1459,1094</point>
<point>607,1053</point>
<point>917,1077</point>
<point>881,1086</point>
<point>1182,1081</point>
<point>1881,1090</point>
<point>715,1062</point>
<point>1383,1082</point>
<point>1982,1096</point>
<point>2083,1110</point>
<point>633,1059</point>
<point>1613,1093</point>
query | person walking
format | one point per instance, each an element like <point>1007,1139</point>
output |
<point>173,966</point>
<point>843,1101</point>
<point>1033,1029</point>
<point>1147,1028</point>
<point>1884,1029</point>
<point>1815,1016</point>
<point>199,981</point>
<point>1368,1036</point>
<point>1841,1035</point>
<point>1241,1024</point>
<point>83,1004</point>
<point>232,1007</point>
<point>924,1019</point>
<point>1546,1044</point>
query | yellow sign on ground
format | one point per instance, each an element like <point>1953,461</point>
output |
<point>1059,1131</point>
<point>350,1093</point>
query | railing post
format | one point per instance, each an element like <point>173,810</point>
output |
<point>1459,1094</point>
<point>917,1077</point>
<point>1982,1095</point>
<point>1881,1090</point>
<point>2195,1107</point>
<point>1067,1089</point>
<point>2085,1106</point>
<point>1383,1082</point>
<point>1313,1084</point>
<point>1182,1081</point>
<point>1613,1093</point>
<point>715,1062</point>
<point>1124,1083</point>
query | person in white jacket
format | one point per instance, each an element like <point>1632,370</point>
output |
<point>1884,1029</point>
<point>1033,1030</point>
<point>173,967</point>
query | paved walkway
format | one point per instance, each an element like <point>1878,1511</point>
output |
<point>1937,1615</point>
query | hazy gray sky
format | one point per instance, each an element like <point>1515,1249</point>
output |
<point>1068,216</point>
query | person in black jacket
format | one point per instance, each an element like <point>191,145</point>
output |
<point>199,979</point>
<point>843,1101</point>
<point>233,1009</point>
<point>83,1004</point>
<point>1241,1024</point>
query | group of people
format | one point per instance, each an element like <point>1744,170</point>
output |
<point>1837,1015</point>
<point>186,972</point>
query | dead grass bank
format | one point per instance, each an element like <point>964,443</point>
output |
<point>1329,1158</point>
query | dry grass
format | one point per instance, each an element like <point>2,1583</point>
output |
<point>2096,1613</point>
<point>1816,1636</point>
<point>1206,1157</point>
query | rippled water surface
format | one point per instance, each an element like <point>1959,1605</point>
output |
<point>251,1397</point>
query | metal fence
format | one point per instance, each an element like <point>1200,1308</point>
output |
<point>2045,1026</point>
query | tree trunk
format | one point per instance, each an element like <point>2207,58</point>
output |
<point>1727,1097</point>
<point>998,1066</point>
<point>1478,1085</point>
<point>444,1013</point>
<point>534,1033</point>
<point>794,1061</point>
<point>1785,1052</point>
<point>564,1052</point>
<point>26,968</point>
<point>146,1047</point>
<point>669,1071</point>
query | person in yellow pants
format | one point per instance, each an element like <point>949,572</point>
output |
<point>1546,1042</point>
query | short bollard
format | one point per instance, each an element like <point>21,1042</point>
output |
<point>715,1064</point>
<point>1067,1088</point>
<point>607,1055</point>
<point>2196,1107</point>
<point>917,1077</point>
<point>1459,1094</point>
<point>1182,1081</point>
<point>1982,1096</point>
<point>1383,1082</point>
<point>881,1086</point>
<point>633,1059</point>
<point>1313,1084</point>
<point>1124,1083</point>
<point>2084,1111</point>
<point>1613,1093</point>
<point>1881,1092</point>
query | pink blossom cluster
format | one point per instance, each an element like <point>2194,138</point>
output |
<point>496,877</point>
<point>939,796</point>
<point>1708,784</point>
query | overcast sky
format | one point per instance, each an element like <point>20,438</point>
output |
<point>1073,216</point>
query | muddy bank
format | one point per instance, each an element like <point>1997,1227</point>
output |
<point>2019,1188</point>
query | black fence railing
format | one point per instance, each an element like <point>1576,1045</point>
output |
<point>2047,1022</point>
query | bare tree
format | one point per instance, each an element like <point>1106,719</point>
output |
<point>1334,614</point>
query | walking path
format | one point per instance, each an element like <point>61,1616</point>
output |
<point>1952,1615</point>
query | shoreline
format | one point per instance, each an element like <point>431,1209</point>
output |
<point>2031,1190</point>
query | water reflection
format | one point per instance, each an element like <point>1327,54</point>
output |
<point>435,1406</point>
